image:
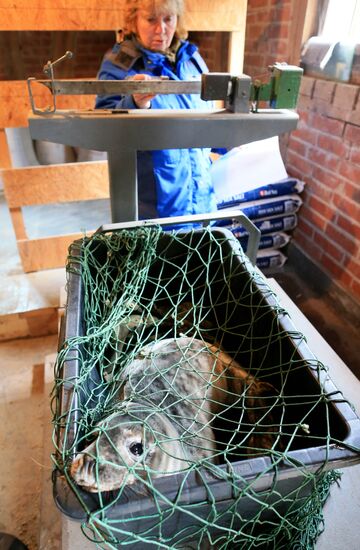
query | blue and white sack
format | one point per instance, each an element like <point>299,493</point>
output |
<point>266,225</point>
<point>271,240</point>
<point>289,186</point>
<point>288,204</point>
<point>270,258</point>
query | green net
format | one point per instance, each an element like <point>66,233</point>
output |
<point>188,413</point>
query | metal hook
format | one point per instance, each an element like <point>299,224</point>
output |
<point>49,70</point>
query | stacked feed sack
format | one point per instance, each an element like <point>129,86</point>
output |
<point>273,209</point>
<point>253,178</point>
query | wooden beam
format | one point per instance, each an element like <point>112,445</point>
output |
<point>108,15</point>
<point>47,15</point>
<point>236,52</point>
<point>5,159</point>
<point>39,322</point>
<point>78,181</point>
<point>45,253</point>
<point>15,102</point>
<point>213,15</point>
<point>18,223</point>
<point>296,30</point>
<point>311,19</point>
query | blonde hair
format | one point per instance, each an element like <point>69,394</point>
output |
<point>157,7</point>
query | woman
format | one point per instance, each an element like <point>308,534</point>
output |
<point>171,182</point>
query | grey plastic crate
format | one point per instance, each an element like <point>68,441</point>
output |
<point>257,308</point>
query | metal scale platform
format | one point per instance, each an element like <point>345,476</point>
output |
<point>121,133</point>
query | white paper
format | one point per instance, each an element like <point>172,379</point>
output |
<point>248,167</point>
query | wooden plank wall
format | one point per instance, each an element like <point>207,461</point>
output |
<point>15,102</point>
<point>37,185</point>
<point>70,182</point>
<point>201,15</point>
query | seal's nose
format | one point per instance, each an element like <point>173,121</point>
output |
<point>82,469</point>
<point>76,465</point>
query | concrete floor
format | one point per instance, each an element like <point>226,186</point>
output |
<point>338,328</point>
<point>69,218</point>
<point>25,441</point>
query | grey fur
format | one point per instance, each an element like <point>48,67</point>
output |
<point>171,392</point>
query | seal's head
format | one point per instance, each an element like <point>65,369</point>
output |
<point>129,444</point>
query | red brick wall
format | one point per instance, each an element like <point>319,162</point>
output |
<point>267,37</point>
<point>324,151</point>
<point>213,47</point>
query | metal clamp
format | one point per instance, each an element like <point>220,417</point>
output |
<point>234,90</point>
<point>283,89</point>
<point>238,215</point>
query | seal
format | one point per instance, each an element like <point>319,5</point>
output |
<point>170,395</point>
<point>141,325</point>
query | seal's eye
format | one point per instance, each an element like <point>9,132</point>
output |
<point>136,449</point>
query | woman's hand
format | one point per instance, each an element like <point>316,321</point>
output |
<point>142,101</point>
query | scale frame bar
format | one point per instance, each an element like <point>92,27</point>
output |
<point>121,135</point>
<point>155,129</point>
<point>121,87</point>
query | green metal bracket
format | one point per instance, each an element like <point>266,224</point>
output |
<point>283,89</point>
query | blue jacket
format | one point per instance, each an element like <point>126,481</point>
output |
<point>171,182</point>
